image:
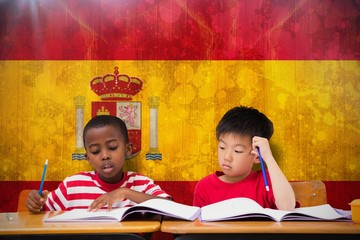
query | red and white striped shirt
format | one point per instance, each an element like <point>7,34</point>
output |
<point>80,190</point>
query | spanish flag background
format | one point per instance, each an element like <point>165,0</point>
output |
<point>296,60</point>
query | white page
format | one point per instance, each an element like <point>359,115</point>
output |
<point>170,208</point>
<point>77,215</point>
<point>322,212</point>
<point>230,208</point>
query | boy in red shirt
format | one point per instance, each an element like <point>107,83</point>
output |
<point>241,132</point>
<point>107,146</point>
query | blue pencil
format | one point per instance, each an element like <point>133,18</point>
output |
<point>263,170</point>
<point>43,178</point>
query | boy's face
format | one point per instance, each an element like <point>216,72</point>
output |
<point>234,156</point>
<point>106,151</point>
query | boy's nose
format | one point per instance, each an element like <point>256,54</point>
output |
<point>105,155</point>
<point>227,156</point>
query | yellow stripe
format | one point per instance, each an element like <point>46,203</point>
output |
<point>314,106</point>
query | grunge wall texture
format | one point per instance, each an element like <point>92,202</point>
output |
<point>296,60</point>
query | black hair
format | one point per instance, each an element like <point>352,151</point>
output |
<point>107,120</point>
<point>245,121</point>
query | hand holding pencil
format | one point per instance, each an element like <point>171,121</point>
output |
<point>263,144</point>
<point>36,198</point>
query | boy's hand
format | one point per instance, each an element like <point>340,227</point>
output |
<point>34,202</point>
<point>263,144</point>
<point>108,199</point>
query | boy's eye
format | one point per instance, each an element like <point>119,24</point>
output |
<point>221,147</point>
<point>95,152</point>
<point>239,151</point>
<point>113,148</point>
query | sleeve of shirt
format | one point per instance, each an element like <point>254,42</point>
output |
<point>56,200</point>
<point>153,189</point>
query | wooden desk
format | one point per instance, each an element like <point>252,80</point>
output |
<point>261,230</point>
<point>25,223</point>
<point>316,227</point>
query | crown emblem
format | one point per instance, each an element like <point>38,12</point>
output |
<point>103,111</point>
<point>116,86</point>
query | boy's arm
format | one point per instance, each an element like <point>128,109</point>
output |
<point>119,195</point>
<point>283,192</point>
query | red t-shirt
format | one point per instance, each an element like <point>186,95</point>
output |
<point>211,190</point>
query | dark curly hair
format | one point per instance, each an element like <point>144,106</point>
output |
<point>106,120</point>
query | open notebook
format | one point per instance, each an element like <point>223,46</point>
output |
<point>157,206</point>
<point>244,208</point>
<point>235,208</point>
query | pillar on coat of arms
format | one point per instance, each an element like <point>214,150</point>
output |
<point>154,154</point>
<point>79,153</point>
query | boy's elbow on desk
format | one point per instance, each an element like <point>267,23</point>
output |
<point>287,206</point>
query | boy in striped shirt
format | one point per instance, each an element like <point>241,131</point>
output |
<point>107,146</point>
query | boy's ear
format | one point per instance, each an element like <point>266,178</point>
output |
<point>256,157</point>
<point>87,158</point>
<point>129,147</point>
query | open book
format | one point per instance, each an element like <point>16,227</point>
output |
<point>157,206</point>
<point>235,208</point>
<point>241,208</point>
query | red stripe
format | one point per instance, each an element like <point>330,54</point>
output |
<point>51,203</point>
<point>56,198</point>
<point>84,196</point>
<point>179,30</point>
<point>339,193</point>
<point>82,183</point>
<point>137,183</point>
